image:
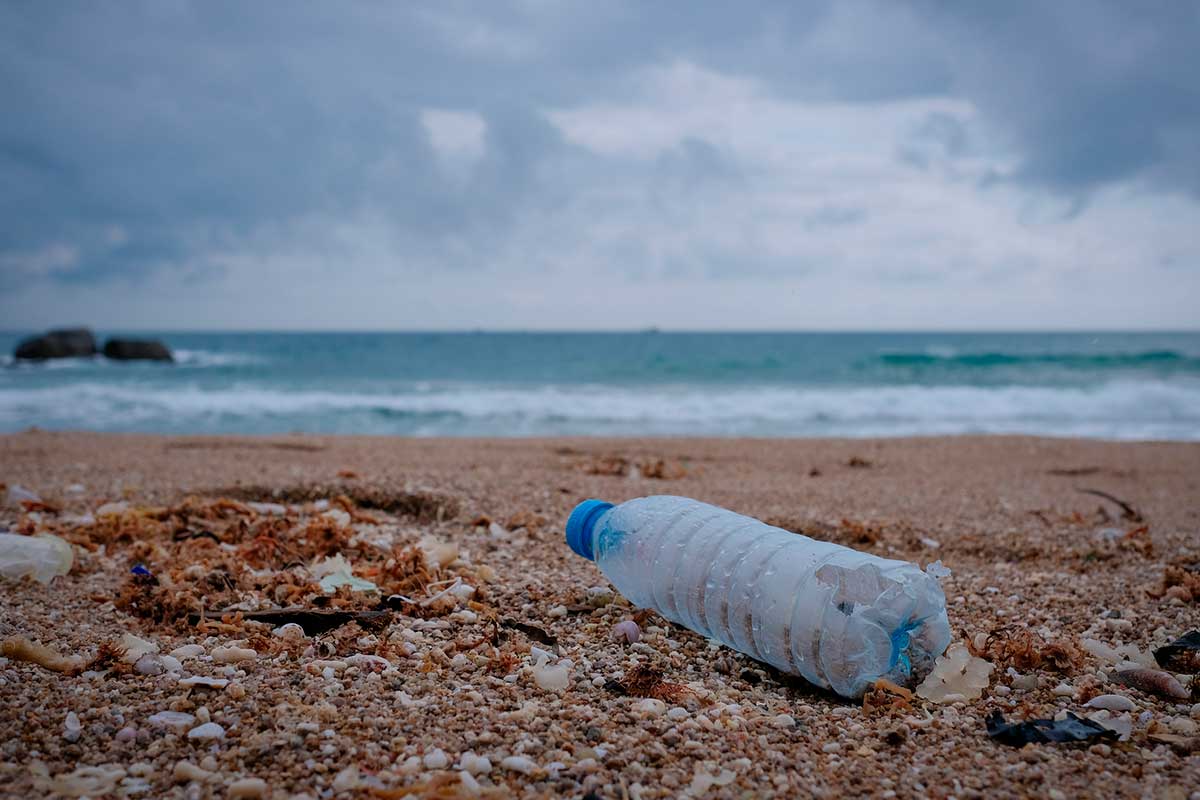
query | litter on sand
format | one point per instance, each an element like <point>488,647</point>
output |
<point>1045,731</point>
<point>1181,655</point>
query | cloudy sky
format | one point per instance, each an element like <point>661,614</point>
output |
<point>541,164</point>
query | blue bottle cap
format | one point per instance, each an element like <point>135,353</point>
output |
<point>580,523</point>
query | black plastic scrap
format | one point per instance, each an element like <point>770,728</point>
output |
<point>313,622</point>
<point>1181,655</point>
<point>1045,731</point>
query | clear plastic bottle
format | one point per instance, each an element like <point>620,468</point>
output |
<point>839,618</point>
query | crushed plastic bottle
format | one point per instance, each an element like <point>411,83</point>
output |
<point>839,618</point>
<point>41,557</point>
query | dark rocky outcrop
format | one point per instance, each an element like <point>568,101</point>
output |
<point>137,350</point>
<point>63,343</point>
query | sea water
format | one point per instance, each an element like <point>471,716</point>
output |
<point>1106,385</point>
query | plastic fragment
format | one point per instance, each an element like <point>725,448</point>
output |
<point>1154,681</point>
<point>336,571</point>
<point>1045,731</point>
<point>140,569</point>
<point>41,557</point>
<point>1122,725</point>
<point>134,647</point>
<point>956,675</point>
<point>937,570</point>
<point>1181,655</point>
<point>552,678</point>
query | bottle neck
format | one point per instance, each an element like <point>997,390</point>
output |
<point>581,535</point>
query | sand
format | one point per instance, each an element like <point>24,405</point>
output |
<point>415,703</point>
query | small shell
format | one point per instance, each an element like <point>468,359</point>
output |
<point>1153,681</point>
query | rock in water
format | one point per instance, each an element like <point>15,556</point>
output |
<point>64,343</point>
<point>137,350</point>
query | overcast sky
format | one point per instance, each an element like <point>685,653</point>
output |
<point>539,164</point>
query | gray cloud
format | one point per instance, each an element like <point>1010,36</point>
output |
<point>139,138</point>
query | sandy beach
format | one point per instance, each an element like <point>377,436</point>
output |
<point>442,697</point>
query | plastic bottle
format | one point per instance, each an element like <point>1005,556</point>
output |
<point>839,618</point>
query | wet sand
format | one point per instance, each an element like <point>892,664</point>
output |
<point>396,708</point>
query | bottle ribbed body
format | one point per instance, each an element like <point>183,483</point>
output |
<point>835,616</point>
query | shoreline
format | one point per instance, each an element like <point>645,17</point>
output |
<point>1007,514</point>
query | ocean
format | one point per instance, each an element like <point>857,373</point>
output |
<point>1100,385</point>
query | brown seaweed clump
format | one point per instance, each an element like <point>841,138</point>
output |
<point>1024,650</point>
<point>648,682</point>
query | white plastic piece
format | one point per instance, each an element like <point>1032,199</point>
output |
<point>837,617</point>
<point>41,557</point>
<point>956,676</point>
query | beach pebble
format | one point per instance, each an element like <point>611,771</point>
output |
<point>348,779</point>
<point>186,771</point>
<point>476,765</point>
<point>650,706</point>
<point>783,721</point>
<point>1182,726</point>
<point>247,788</point>
<point>1064,689</point>
<point>1111,702</point>
<point>177,721</point>
<point>436,759</point>
<point>233,655</point>
<point>557,611</point>
<point>599,596</point>
<point>519,764</point>
<point>470,786</point>
<point>209,730</point>
<point>677,713</point>
<point>71,727</point>
<point>126,734</point>
<point>149,664</point>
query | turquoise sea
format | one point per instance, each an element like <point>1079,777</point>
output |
<point>1105,385</point>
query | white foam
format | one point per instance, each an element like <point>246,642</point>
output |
<point>1117,410</point>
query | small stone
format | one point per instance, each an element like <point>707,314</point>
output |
<point>557,611</point>
<point>186,771</point>
<point>233,655</point>
<point>476,765</point>
<point>201,680</point>
<point>289,631</point>
<point>126,734</point>
<point>71,727</point>
<point>650,706</point>
<point>519,764</point>
<point>783,721</point>
<point>677,713</point>
<point>626,632</point>
<point>435,759</point>
<point>1111,702</point>
<point>209,730</point>
<point>831,747</point>
<point>1182,726</point>
<point>1064,689</point>
<point>177,721</point>
<point>249,788</point>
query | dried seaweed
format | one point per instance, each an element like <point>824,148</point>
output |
<point>1024,650</point>
<point>885,697</point>
<point>1127,511</point>
<point>532,631</point>
<point>645,681</point>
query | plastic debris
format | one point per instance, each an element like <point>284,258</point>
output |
<point>937,570</point>
<point>41,557</point>
<point>202,680</point>
<point>18,648</point>
<point>956,675</point>
<point>552,678</point>
<point>1045,731</point>
<point>626,632</point>
<point>336,571</point>
<point>1153,681</point>
<point>1181,655</point>
<point>140,569</point>
<point>1122,725</point>
<point>313,622</point>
